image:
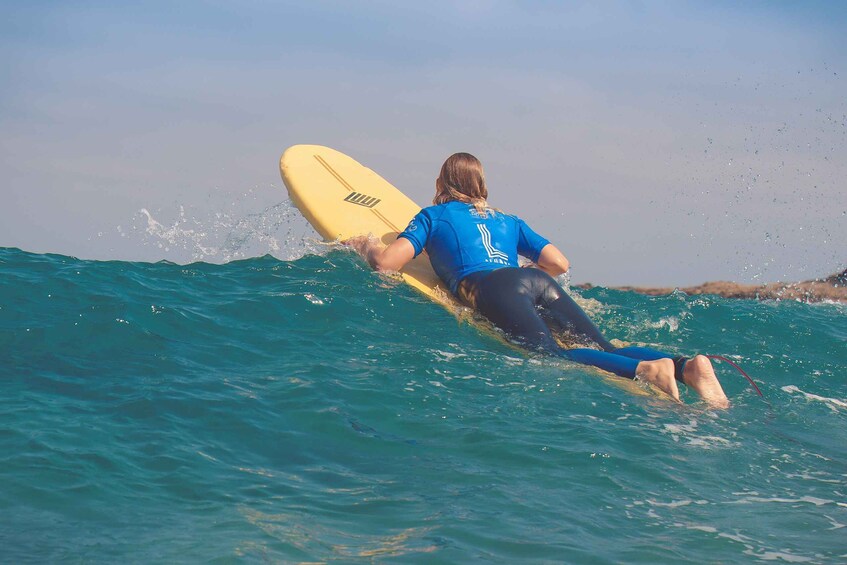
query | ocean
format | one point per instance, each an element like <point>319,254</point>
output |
<point>310,410</point>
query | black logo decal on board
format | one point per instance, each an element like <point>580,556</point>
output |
<point>362,199</point>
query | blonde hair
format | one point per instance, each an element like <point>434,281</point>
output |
<point>462,179</point>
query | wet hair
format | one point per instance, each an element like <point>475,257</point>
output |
<point>463,180</point>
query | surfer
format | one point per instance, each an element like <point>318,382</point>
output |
<point>474,249</point>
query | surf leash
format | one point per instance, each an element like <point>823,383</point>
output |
<point>739,369</point>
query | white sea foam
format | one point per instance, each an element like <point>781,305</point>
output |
<point>447,356</point>
<point>751,546</point>
<point>313,299</point>
<point>676,503</point>
<point>834,404</point>
<point>800,500</point>
<point>778,556</point>
<point>669,322</point>
<point>688,434</point>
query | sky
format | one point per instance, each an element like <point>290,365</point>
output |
<point>655,143</point>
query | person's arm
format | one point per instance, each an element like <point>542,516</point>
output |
<point>551,261</point>
<point>381,258</point>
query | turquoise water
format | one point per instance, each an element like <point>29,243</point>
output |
<point>310,410</point>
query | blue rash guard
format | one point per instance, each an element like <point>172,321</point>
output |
<point>460,240</point>
<point>476,255</point>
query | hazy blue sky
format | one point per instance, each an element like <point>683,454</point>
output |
<point>654,142</point>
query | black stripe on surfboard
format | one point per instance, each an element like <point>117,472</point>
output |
<point>362,199</point>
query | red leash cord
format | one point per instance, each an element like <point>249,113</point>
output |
<point>739,369</point>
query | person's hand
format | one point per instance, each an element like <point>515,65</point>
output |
<point>360,244</point>
<point>380,257</point>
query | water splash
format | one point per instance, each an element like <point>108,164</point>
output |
<point>223,236</point>
<point>769,180</point>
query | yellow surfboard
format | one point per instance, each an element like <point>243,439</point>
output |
<point>342,198</point>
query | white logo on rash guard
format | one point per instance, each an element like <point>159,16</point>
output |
<point>493,253</point>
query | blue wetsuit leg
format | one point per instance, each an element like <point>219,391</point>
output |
<point>510,298</point>
<point>643,353</point>
<point>618,364</point>
<point>567,314</point>
<point>647,354</point>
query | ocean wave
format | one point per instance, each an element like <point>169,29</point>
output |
<point>309,409</point>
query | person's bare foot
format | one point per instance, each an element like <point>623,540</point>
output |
<point>699,375</point>
<point>659,373</point>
